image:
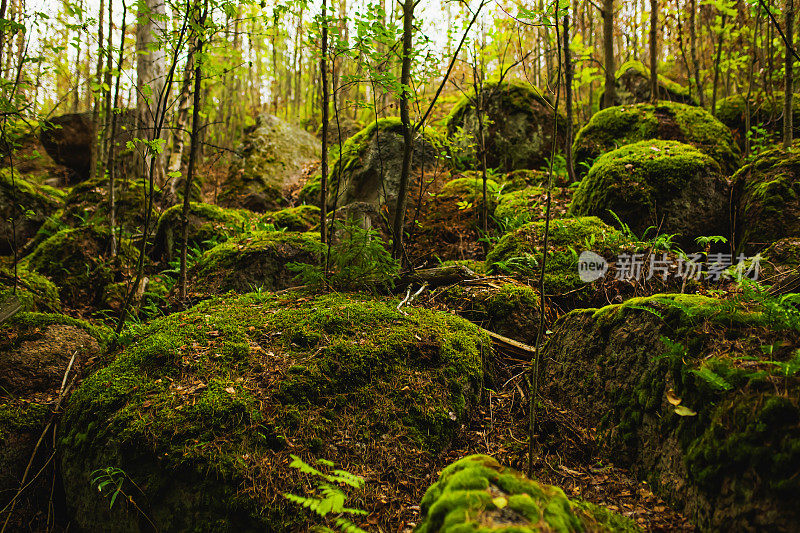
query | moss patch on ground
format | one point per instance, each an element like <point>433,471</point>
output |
<point>621,125</point>
<point>202,410</point>
<point>665,184</point>
<point>767,194</point>
<point>697,395</point>
<point>476,493</point>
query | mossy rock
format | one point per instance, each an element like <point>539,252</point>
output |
<point>476,493</point>
<point>509,309</point>
<point>780,266</point>
<point>151,298</point>
<point>21,423</point>
<point>522,179</point>
<point>270,163</point>
<point>300,218</point>
<point>35,349</point>
<point>254,261</point>
<point>766,112</point>
<point>767,196</point>
<point>203,409</point>
<point>520,207</point>
<point>621,125</point>
<point>78,262</point>
<point>34,203</point>
<point>33,291</point>
<point>519,253</point>
<point>470,188</point>
<point>681,391</point>
<point>664,184</point>
<point>88,203</point>
<point>371,162</point>
<point>518,124</point>
<point>633,86</point>
<point>208,225</point>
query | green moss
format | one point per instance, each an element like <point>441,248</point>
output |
<point>669,89</point>
<point>766,111</point>
<point>34,291</point>
<point>476,493</point>
<point>768,196</point>
<point>522,179</point>
<point>470,188</point>
<point>648,183</point>
<point>300,218</point>
<point>30,322</point>
<point>21,417</point>
<point>254,260</point>
<point>520,252</point>
<point>208,225</point>
<point>88,203</point>
<point>520,207</point>
<point>621,125</point>
<point>207,400</point>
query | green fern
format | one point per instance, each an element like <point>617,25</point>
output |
<point>714,380</point>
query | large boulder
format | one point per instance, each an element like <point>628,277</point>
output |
<point>766,114</point>
<point>25,203</point>
<point>767,196</point>
<point>518,122</point>
<point>621,125</point>
<point>208,226</point>
<point>254,261</point>
<point>369,166</point>
<point>476,493</point>
<point>78,262</point>
<point>68,140</point>
<point>201,412</point>
<point>662,184</point>
<point>698,396</point>
<point>268,165</point>
<point>35,351</point>
<point>34,292</point>
<point>633,86</point>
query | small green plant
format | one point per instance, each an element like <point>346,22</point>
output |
<point>332,498</point>
<point>110,478</point>
<point>357,259</point>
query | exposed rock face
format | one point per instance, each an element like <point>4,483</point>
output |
<point>767,194</point>
<point>34,203</point>
<point>518,126</point>
<point>204,408</point>
<point>664,184</point>
<point>68,140</point>
<point>476,493</point>
<point>633,86</point>
<point>622,125</point>
<point>681,392</point>
<point>270,163</point>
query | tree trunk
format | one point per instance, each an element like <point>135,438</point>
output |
<point>610,92</point>
<point>323,72</point>
<point>693,50</point>
<point>788,91</point>
<point>194,144</point>
<point>653,51</point>
<point>716,66</point>
<point>150,78</point>
<point>747,108</point>
<point>95,147</point>
<point>568,102</point>
<point>405,79</point>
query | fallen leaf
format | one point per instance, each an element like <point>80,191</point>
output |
<point>230,390</point>
<point>672,398</point>
<point>682,410</point>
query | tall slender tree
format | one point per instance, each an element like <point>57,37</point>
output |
<point>654,51</point>
<point>788,85</point>
<point>610,88</point>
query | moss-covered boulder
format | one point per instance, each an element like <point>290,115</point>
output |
<point>766,113</point>
<point>504,307</point>
<point>270,163</point>
<point>476,493</point>
<point>517,208</point>
<point>204,408</point>
<point>522,179</point>
<point>78,262</point>
<point>519,253</point>
<point>208,226</point>
<point>698,396</point>
<point>518,124</point>
<point>767,196</point>
<point>27,204</point>
<point>664,184</point>
<point>621,125</point>
<point>33,291</point>
<point>254,261</point>
<point>300,218</point>
<point>780,266</point>
<point>371,162</point>
<point>35,351</point>
<point>633,86</point>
